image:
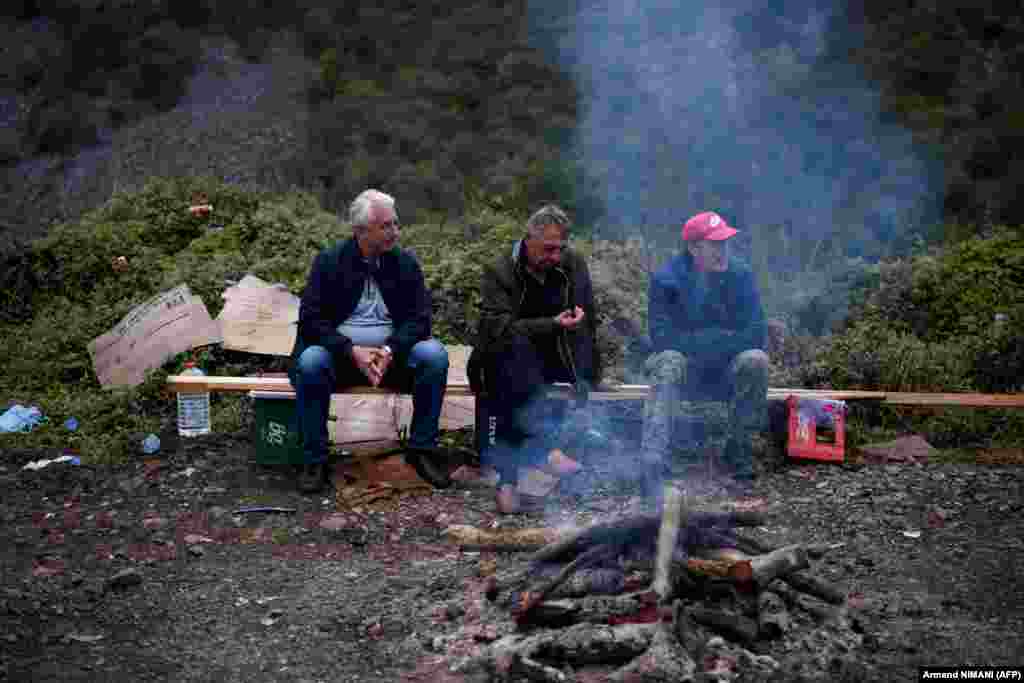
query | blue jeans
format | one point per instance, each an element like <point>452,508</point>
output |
<point>316,374</point>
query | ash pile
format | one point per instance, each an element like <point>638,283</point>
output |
<point>681,595</point>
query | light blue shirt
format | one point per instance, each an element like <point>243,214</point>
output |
<point>370,323</point>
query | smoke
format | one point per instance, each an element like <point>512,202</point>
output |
<point>749,110</point>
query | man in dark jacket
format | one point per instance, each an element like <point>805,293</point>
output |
<point>364,318</point>
<point>707,330</point>
<point>537,326</point>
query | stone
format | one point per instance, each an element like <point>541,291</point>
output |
<point>124,579</point>
<point>907,449</point>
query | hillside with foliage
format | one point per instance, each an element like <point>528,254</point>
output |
<point>63,292</point>
<point>448,99</point>
<point>461,111</point>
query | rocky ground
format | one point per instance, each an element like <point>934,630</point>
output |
<point>147,571</point>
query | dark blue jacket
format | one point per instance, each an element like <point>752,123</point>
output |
<point>335,284</point>
<point>711,323</point>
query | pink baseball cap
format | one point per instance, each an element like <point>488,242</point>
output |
<point>707,226</point>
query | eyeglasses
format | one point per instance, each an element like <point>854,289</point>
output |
<point>392,226</point>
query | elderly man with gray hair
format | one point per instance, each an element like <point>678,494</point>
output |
<point>537,326</point>
<point>365,318</point>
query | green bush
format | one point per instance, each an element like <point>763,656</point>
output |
<point>972,282</point>
<point>931,322</point>
<point>928,324</point>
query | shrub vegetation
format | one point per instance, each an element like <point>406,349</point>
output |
<point>63,292</point>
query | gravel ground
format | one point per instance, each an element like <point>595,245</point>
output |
<point>144,571</point>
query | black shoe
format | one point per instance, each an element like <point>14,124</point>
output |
<point>431,464</point>
<point>312,477</point>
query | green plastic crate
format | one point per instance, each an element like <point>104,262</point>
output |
<point>276,429</point>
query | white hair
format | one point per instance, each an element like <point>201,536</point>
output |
<point>359,210</point>
<point>548,214</point>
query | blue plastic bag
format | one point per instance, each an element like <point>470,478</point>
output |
<point>19,418</point>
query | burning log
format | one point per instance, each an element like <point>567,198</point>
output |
<point>634,536</point>
<point>643,530</point>
<point>531,598</point>
<point>508,540</point>
<point>738,570</point>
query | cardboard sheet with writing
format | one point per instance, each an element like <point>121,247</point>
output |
<point>259,317</point>
<point>166,325</point>
<point>380,418</point>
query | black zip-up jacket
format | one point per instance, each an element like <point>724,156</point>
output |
<point>335,285</point>
<point>502,288</point>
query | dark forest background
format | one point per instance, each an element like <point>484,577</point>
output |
<point>450,100</point>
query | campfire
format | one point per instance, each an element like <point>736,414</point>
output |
<point>679,596</point>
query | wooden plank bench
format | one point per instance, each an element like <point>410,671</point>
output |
<point>622,392</point>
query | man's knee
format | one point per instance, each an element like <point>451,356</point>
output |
<point>750,374</point>
<point>313,364</point>
<point>752,363</point>
<point>430,357</point>
<point>667,367</point>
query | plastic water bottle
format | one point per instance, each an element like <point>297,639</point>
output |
<point>193,409</point>
<point>151,444</point>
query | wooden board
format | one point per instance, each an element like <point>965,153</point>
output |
<point>624,392</point>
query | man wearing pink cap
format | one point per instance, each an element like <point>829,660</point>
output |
<point>707,330</point>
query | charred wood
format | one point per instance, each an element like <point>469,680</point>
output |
<point>525,669</point>
<point>772,615</point>
<point>576,645</point>
<point>795,599</point>
<point>777,563</point>
<point>665,661</point>
<point>729,624</point>
<point>643,530</point>
<point>800,580</point>
<point>595,609</point>
<point>534,595</point>
<point>592,581</point>
<point>812,585</point>
<point>691,635</point>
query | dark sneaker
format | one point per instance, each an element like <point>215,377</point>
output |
<point>312,477</point>
<point>431,465</point>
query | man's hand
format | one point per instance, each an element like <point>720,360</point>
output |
<point>381,362</point>
<point>366,359</point>
<point>570,319</point>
